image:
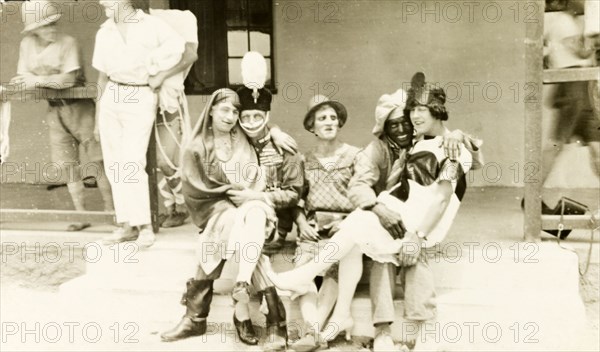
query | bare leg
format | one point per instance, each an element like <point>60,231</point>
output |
<point>349,275</point>
<point>169,137</point>
<point>308,308</point>
<point>76,190</point>
<point>253,240</point>
<point>327,297</point>
<point>549,155</point>
<point>300,278</point>
<point>594,148</point>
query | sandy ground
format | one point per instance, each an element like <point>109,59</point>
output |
<point>487,214</point>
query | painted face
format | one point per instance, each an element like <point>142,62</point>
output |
<point>47,33</point>
<point>253,121</point>
<point>326,123</point>
<point>400,130</point>
<point>422,120</point>
<point>224,116</point>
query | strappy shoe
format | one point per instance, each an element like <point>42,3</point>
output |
<point>333,328</point>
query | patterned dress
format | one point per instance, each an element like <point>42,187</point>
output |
<point>326,199</point>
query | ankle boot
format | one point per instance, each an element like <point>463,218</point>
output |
<point>197,299</point>
<point>244,328</point>
<point>276,321</point>
<point>245,331</point>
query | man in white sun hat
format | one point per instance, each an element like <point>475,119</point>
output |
<point>50,59</point>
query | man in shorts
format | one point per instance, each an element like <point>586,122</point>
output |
<point>50,59</point>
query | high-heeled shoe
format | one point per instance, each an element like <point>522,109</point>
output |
<point>333,328</point>
<point>296,289</point>
<point>311,341</point>
<point>383,341</point>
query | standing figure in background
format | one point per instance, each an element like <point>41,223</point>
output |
<point>566,46</point>
<point>5,115</point>
<point>173,120</point>
<point>50,59</point>
<point>131,46</point>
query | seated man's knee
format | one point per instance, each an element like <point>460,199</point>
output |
<point>255,214</point>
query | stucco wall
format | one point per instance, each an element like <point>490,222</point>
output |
<point>360,50</point>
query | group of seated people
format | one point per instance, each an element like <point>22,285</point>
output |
<point>391,201</point>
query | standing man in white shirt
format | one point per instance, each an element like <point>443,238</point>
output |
<point>131,47</point>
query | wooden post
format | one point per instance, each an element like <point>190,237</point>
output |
<point>151,170</point>
<point>532,224</point>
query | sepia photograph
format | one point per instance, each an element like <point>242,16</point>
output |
<point>299,175</point>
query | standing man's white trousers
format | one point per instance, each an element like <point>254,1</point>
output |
<point>126,120</point>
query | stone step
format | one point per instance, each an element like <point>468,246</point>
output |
<point>465,266</point>
<point>162,259</point>
<point>536,298</point>
<point>459,325</point>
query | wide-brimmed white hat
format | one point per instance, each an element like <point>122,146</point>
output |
<point>38,13</point>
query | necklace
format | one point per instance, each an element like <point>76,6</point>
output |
<point>223,148</point>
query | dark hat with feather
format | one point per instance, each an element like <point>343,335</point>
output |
<point>426,94</point>
<point>253,95</point>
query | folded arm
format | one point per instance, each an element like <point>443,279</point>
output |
<point>190,55</point>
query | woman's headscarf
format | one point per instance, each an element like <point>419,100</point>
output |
<point>204,181</point>
<point>205,121</point>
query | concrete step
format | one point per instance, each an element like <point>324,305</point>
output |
<point>529,295</point>
<point>525,266</point>
<point>163,259</point>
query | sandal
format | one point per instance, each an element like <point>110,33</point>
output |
<point>78,226</point>
<point>175,219</point>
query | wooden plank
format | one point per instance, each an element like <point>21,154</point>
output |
<point>12,93</point>
<point>532,226</point>
<point>24,215</point>
<point>571,74</point>
<point>550,222</point>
